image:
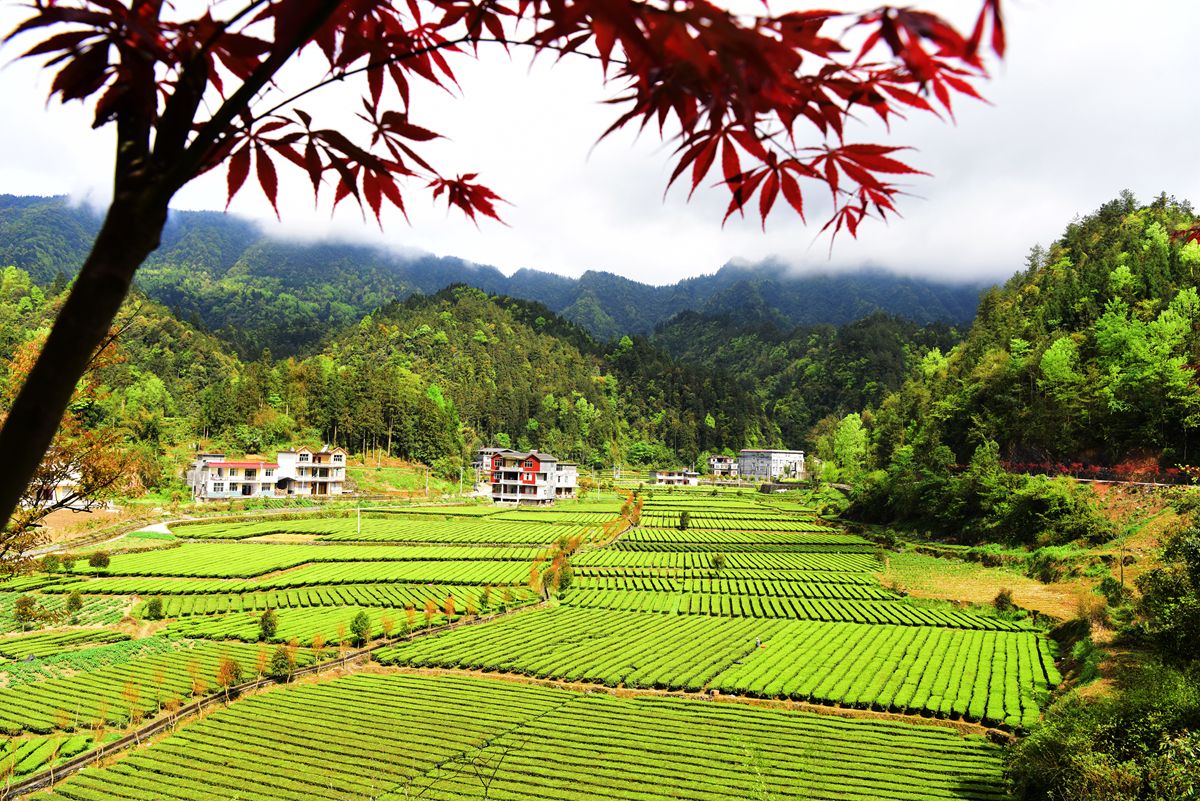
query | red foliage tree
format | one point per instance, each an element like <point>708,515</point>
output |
<point>190,94</point>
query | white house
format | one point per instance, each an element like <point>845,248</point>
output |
<point>770,464</point>
<point>213,477</point>
<point>723,466</point>
<point>675,478</point>
<point>309,472</point>
<point>295,472</point>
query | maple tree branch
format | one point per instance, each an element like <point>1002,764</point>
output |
<point>211,132</point>
<point>341,76</point>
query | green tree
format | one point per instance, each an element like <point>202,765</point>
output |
<point>26,612</point>
<point>74,604</point>
<point>282,665</point>
<point>99,560</point>
<point>850,445</point>
<point>360,628</point>
<point>1169,608</point>
<point>268,624</point>
<point>154,608</point>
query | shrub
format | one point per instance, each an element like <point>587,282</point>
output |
<point>685,519</point>
<point>718,561</point>
<point>360,627</point>
<point>99,560</point>
<point>1137,743</point>
<point>1004,601</point>
<point>51,563</point>
<point>1170,603</point>
<point>154,608</point>
<point>268,624</point>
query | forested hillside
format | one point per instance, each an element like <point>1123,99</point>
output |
<point>425,379</point>
<point>805,374</point>
<point>222,273</point>
<point>1087,356</point>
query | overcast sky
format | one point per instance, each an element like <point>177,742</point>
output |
<point>1095,96</point>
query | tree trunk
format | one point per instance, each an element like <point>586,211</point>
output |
<point>131,231</point>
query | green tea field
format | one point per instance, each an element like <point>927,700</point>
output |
<point>494,637</point>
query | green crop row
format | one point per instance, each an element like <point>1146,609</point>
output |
<point>744,587</point>
<point>20,758</point>
<point>900,668</point>
<point>895,612</point>
<point>313,575</point>
<point>392,528</point>
<point>96,610</point>
<point>464,739</point>
<point>696,560</point>
<point>245,560</point>
<point>397,596</point>
<point>302,625</point>
<point>112,694</point>
<point>718,522</point>
<point>698,539</point>
<point>44,644</point>
<point>85,659</point>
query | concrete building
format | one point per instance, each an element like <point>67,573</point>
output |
<point>770,464</point>
<point>528,477</point>
<point>675,478</point>
<point>723,466</point>
<point>212,477</point>
<point>309,472</point>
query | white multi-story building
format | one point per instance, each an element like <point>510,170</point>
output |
<point>296,472</point>
<point>213,477</point>
<point>770,464</point>
<point>309,472</point>
<point>520,477</point>
<point>675,478</point>
<point>723,466</point>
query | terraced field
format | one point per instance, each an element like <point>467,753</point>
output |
<point>996,677</point>
<point>395,596</point>
<point>398,527</point>
<point>110,693</point>
<point>399,737</point>
<point>746,596</point>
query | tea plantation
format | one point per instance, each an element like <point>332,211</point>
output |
<point>716,611</point>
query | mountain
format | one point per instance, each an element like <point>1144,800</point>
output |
<point>802,375</point>
<point>1089,356</point>
<point>258,292</point>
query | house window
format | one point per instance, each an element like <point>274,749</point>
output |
<point>233,472</point>
<point>304,457</point>
<point>233,487</point>
<point>529,463</point>
<point>337,457</point>
<point>218,486</point>
<point>268,472</point>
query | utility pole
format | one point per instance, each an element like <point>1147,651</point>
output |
<point>360,519</point>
